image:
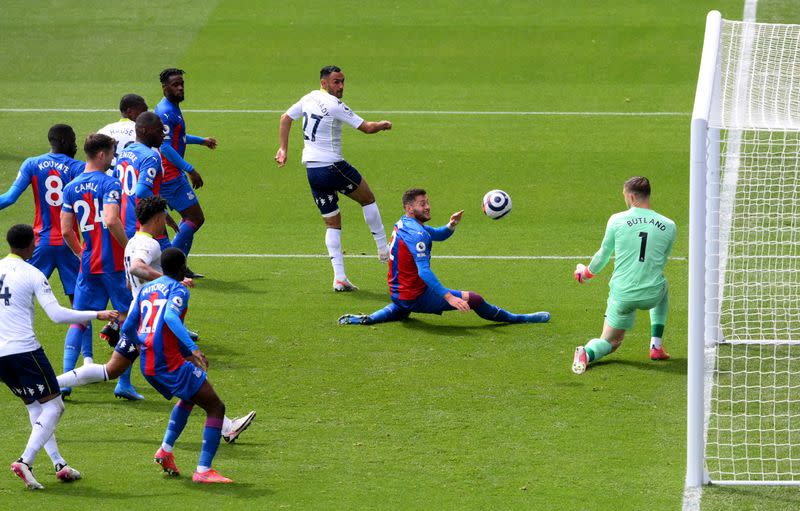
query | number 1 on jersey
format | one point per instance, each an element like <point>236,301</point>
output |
<point>643,247</point>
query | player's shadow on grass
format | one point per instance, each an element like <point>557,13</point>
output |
<point>421,324</point>
<point>373,296</point>
<point>674,365</point>
<point>229,286</point>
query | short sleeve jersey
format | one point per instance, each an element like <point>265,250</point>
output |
<point>410,243</point>
<point>161,350</point>
<point>174,134</point>
<point>641,240</point>
<point>123,131</point>
<point>136,164</point>
<point>48,174</point>
<point>19,283</point>
<point>85,196</point>
<point>141,246</point>
<point>323,116</point>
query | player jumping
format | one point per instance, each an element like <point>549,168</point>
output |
<point>323,114</point>
<point>642,241</point>
<point>413,286</point>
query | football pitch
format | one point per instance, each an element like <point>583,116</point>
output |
<point>556,103</point>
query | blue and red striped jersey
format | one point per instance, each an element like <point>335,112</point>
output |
<point>136,164</point>
<point>85,196</point>
<point>48,174</point>
<point>174,134</point>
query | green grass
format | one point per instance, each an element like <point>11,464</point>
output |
<point>442,412</point>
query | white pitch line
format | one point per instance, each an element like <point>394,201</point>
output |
<point>389,112</point>
<point>366,256</point>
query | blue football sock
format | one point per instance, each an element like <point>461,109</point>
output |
<point>125,377</point>
<point>389,313</point>
<point>72,346</point>
<point>211,435</point>
<point>86,342</point>
<point>183,240</point>
<point>494,313</point>
<point>177,421</point>
<point>164,242</point>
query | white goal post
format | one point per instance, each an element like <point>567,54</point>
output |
<point>743,407</point>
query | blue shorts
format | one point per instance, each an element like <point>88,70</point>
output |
<point>93,292</point>
<point>327,182</point>
<point>179,193</point>
<point>127,349</point>
<point>184,382</point>
<point>29,375</point>
<point>427,303</point>
<point>46,258</point>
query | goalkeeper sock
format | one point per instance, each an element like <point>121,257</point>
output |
<point>333,240</point>
<point>656,334</point>
<point>597,349</point>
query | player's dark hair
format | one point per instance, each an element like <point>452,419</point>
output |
<point>173,263</point>
<point>410,195</point>
<point>638,185</point>
<point>131,101</point>
<point>96,142</point>
<point>168,73</point>
<point>146,120</point>
<point>61,136</point>
<point>325,71</point>
<point>149,207</point>
<point>20,236</point>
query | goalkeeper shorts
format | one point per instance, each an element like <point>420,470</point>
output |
<point>621,314</point>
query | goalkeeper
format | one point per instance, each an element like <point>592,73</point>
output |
<point>642,241</point>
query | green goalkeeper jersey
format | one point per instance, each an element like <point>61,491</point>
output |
<point>642,241</point>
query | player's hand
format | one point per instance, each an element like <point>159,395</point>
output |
<point>210,142</point>
<point>457,302</point>
<point>582,273</point>
<point>199,360</point>
<point>188,282</point>
<point>196,179</point>
<point>280,157</point>
<point>386,125</point>
<point>455,218</point>
<point>107,315</point>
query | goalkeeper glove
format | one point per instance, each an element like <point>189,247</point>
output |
<point>582,273</point>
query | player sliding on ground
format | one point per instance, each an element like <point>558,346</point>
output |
<point>413,286</point>
<point>142,265</point>
<point>642,241</point>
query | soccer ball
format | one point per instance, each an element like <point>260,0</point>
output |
<point>496,204</point>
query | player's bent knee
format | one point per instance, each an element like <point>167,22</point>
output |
<point>473,299</point>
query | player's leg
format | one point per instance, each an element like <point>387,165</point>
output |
<point>620,317</point>
<point>177,422</point>
<point>192,219</point>
<point>358,189</point>
<point>86,295</point>
<point>491,312</point>
<point>121,300</point>
<point>391,312</point>
<point>121,360</point>
<point>658,318</point>
<point>207,398</point>
<point>232,428</point>
<point>181,197</point>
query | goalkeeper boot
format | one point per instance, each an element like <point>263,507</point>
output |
<point>343,286</point>
<point>110,333</point>
<point>66,474</point>
<point>25,472</point>
<point>167,462</point>
<point>210,476</point>
<point>580,361</point>
<point>658,354</point>
<point>238,425</point>
<point>355,319</point>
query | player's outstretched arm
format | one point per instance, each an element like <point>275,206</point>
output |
<point>11,196</point>
<point>209,142</point>
<point>374,127</point>
<point>70,237</point>
<point>283,136</point>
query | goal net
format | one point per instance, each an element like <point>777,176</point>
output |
<point>744,324</point>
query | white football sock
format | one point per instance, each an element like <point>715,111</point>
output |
<point>333,240</point>
<point>373,218</point>
<point>43,428</point>
<point>87,373</point>
<point>655,342</point>
<point>34,410</point>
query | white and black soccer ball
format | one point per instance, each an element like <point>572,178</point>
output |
<point>496,204</point>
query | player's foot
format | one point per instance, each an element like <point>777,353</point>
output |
<point>536,317</point>
<point>66,392</point>
<point>194,335</point>
<point>580,361</point>
<point>110,333</point>
<point>25,472</point>
<point>383,254</point>
<point>127,392</point>
<point>658,354</point>
<point>355,319</point>
<point>192,275</point>
<point>167,462</point>
<point>238,425</point>
<point>343,286</point>
<point>210,477</point>
<point>66,474</point>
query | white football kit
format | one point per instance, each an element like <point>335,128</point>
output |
<point>141,246</point>
<point>323,115</point>
<point>19,283</point>
<point>123,131</point>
